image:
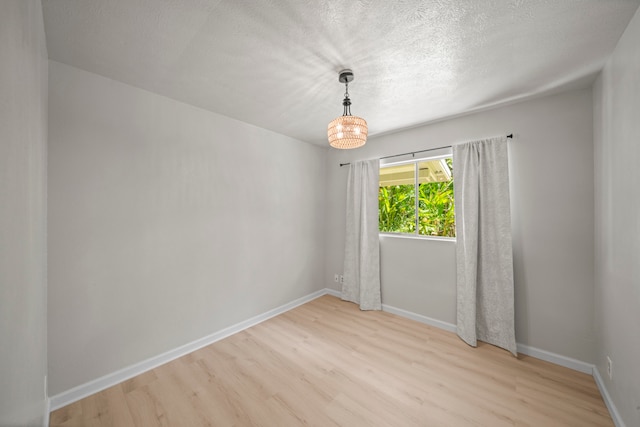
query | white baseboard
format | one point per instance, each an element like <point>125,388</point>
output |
<point>333,292</point>
<point>407,314</point>
<point>420,318</point>
<point>547,356</point>
<point>613,411</point>
<point>99,384</point>
<point>72,395</point>
<point>47,411</point>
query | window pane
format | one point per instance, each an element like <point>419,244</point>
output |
<point>436,212</point>
<point>396,199</point>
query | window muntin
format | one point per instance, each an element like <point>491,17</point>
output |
<point>397,203</point>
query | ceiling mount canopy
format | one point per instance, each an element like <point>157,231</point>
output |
<point>347,131</point>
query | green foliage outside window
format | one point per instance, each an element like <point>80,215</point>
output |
<point>436,208</point>
<point>396,209</point>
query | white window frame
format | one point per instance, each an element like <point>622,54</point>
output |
<point>443,154</point>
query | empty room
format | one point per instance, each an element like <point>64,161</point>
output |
<point>327,213</point>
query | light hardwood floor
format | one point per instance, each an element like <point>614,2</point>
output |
<point>327,363</point>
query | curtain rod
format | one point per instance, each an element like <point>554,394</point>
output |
<point>416,152</point>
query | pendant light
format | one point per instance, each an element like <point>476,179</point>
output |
<point>347,131</point>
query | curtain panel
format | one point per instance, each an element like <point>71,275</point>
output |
<point>484,256</point>
<point>362,247</point>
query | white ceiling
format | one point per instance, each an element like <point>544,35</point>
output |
<point>275,63</point>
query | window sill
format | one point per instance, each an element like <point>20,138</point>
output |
<point>417,237</point>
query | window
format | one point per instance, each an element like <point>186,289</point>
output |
<point>432,180</point>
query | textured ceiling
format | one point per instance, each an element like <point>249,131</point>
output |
<point>275,63</point>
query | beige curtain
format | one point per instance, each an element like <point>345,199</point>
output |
<point>484,257</point>
<point>362,248</point>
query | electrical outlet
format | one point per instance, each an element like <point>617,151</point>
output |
<point>341,279</point>
<point>609,368</point>
<point>336,278</point>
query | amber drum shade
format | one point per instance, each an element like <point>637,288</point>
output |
<point>347,132</point>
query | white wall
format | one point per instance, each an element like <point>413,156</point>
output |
<point>23,144</point>
<point>551,180</point>
<point>167,223</point>
<point>617,222</point>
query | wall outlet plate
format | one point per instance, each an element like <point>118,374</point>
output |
<point>336,278</point>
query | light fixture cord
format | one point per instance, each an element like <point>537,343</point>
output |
<point>346,102</point>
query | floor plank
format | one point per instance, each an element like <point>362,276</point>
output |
<point>326,363</point>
